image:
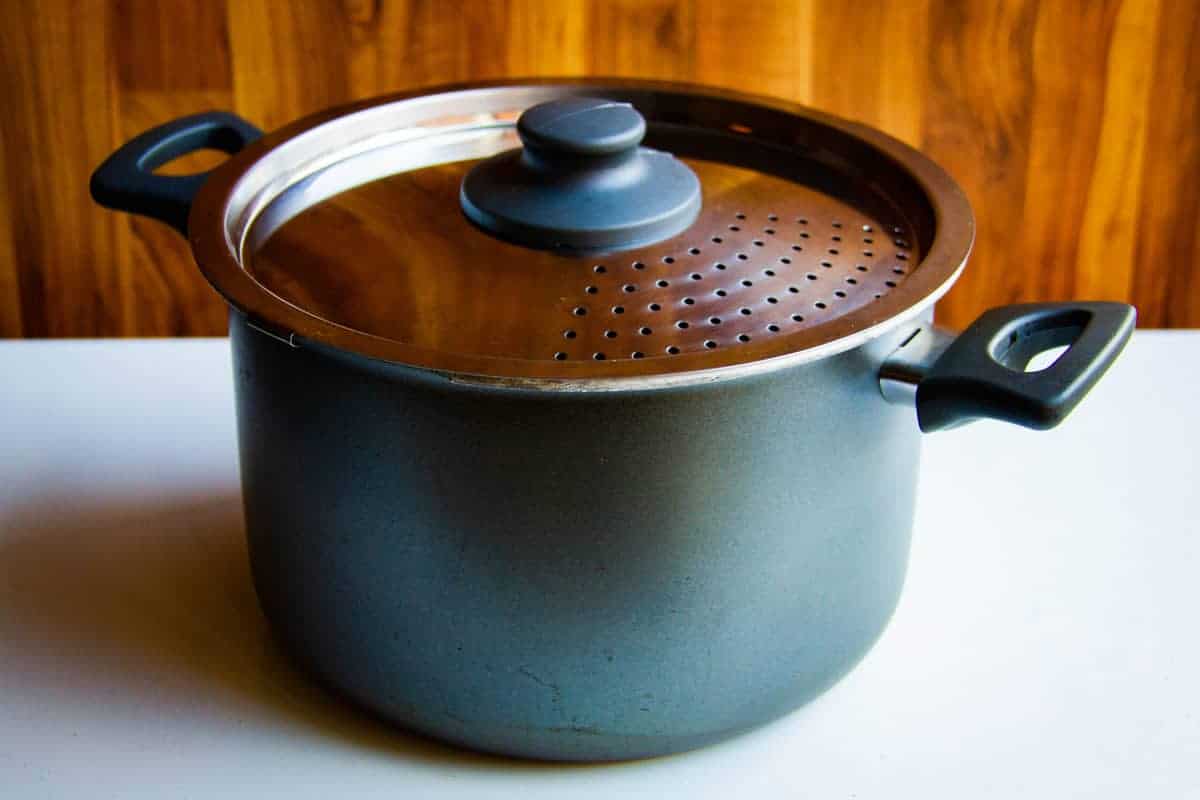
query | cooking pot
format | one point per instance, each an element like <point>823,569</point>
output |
<point>561,445</point>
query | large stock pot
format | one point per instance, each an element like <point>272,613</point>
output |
<point>586,450</point>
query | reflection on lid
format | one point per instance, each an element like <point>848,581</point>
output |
<point>397,259</point>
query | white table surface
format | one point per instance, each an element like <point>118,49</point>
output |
<point>1047,645</point>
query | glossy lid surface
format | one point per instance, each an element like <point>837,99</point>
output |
<point>813,235</point>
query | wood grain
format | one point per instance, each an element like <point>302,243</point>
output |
<point>1166,280</point>
<point>1072,125</point>
<point>10,279</point>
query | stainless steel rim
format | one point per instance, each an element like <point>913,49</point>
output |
<point>240,205</point>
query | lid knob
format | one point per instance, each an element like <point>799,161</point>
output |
<point>581,183</point>
<point>582,126</point>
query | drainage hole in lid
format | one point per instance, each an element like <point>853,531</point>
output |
<point>599,269</point>
<point>832,252</point>
<point>682,325</point>
<point>773,217</point>
<point>734,228</point>
<point>772,300</point>
<point>618,309</point>
<point>720,292</point>
<point>797,318</point>
<point>852,281</point>
<point>696,276</point>
<point>868,253</point>
<point>866,228</point>
<point>890,284</point>
<point>569,334</point>
<point>740,216</point>
<point>794,289</point>
<point>579,311</point>
<point>747,282</point>
<point>758,243</point>
<point>797,248</point>
<point>591,290</point>
<point>672,349</point>
<point>837,238</point>
<point>902,256</point>
<point>560,356</point>
<point>897,270</point>
<point>742,257</point>
<point>784,260</point>
<point>868,240</point>
<point>803,234</point>
<point>637,354</point>
<point>861,267</point>
<point>743,337</point>
<point>662,283</point>
<point>668,259</point>
<point>773,328</point>
<point>645,331</point>
<point>598,356</point>
<point>770,273</point>
<point>610,334</point>
<point>638,265</point>
<point>710,344</point>
<point>801,221</point>
<point>821,304</point>
<point>811,276</point>
<point>688,301</point>
<point>839,293</point>
<point>745,312</point>
<point>719,265</point>
<point>827,264</point>
<point>769,231</point>
<point>654,307</point>
<point>717,240</point>
<point>695,251</point>
<point>837,224</point>
<point>715,320</point>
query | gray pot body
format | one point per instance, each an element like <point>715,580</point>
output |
<point>573,576</point>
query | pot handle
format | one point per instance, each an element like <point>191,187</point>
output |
<point>126,180</point>
<point>981,372</point>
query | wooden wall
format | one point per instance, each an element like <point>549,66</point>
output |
<point>1071,124</point>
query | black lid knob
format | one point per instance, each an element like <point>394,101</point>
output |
<point>582,126</point>
<point>582,183</point>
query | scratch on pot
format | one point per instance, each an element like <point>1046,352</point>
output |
<point>553,687</point>
<point>528,673</point>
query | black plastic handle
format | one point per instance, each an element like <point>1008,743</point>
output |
<point>982,372</point>
<point>126,180</point>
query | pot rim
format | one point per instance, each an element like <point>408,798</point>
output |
<point>236,194</point>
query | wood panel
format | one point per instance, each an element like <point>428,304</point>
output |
<point>58,113</point>
<point>1071,124</point>
<point>1166,279</point>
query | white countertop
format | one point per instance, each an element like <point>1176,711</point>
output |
<point>1047,645</point>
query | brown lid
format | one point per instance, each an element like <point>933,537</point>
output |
<point>813,235</point>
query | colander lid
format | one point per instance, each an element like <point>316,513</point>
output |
<point>746,234</point>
